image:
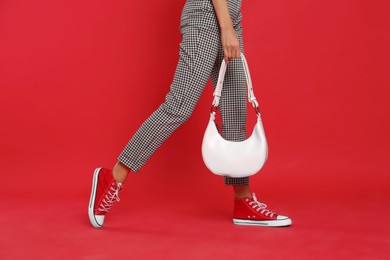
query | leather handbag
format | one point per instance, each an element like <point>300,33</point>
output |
<point>230,158</point>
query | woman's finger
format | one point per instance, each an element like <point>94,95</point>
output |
<point>226,54</point>
<point>237,53</point>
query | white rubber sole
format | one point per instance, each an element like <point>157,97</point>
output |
<point>267,223</point>
<point>91,214</point>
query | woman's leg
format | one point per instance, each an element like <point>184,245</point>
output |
<point>233,108</point>
<point>198,50</point>
<point>189,81</point>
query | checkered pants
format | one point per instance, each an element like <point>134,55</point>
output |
<point>200,57</point>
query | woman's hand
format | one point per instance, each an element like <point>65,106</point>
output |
<point>230,44</point>
<point>229,38</point>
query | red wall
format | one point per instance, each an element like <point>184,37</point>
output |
<point>76,82</point>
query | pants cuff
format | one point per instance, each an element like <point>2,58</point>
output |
<point>236,181</point>
<point>124,160</point>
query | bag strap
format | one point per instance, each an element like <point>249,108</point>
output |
<point>221,77</point>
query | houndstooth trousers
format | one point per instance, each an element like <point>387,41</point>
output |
<point>200,57</point>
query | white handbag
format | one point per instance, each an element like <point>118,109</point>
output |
<point>229,158</point>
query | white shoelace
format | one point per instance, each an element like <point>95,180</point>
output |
<point>260,206</point>
<point>110,198</point>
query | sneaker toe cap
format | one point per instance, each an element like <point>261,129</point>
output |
<point>284,220</point>
<point>281,217</point>
<point>99,220</point>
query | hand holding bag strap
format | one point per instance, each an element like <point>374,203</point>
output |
<point>221,77</point>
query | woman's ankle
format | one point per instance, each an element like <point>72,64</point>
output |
<point>120,172</point>
<point>242,191</point>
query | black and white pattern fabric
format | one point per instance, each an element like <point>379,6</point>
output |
<point>200,58</point>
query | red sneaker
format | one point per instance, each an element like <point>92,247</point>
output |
<point>249,211</point>
<point>104,194</point>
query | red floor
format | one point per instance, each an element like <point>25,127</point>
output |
<point>164,227</point>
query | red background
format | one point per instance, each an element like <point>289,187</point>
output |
<point>78,78</point>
